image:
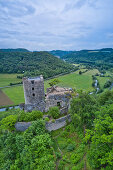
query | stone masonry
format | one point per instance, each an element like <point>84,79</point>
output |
<point>36,99</point>
<point>34,94</point>
<point>50,126</point>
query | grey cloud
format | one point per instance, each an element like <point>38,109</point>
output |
<point>58,24</point>
<point>16,8</point>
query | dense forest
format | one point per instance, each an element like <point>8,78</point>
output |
<point>14,50</point>
<point>35,148</point>
<point>33,63</point>
<point>102,59</point>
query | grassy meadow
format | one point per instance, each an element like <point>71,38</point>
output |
<point>6,79</point>
<point>16,94</point>
<point>102,81</point>
<point>72,80</point>
<point>77,81</point>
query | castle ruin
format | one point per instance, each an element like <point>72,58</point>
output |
<point>36,99</point>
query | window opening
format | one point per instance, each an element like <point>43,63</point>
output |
<point>32,81</point>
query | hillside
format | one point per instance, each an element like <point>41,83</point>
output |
<point>100,58</point>
<point>14,50</point>
<point>59,53</point>
<point>33,63</point>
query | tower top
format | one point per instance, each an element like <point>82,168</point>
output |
<point>33,78</point>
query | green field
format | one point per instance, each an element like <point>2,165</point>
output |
<point>15,94</point>
<point>6,79</point>
<point>72,80</point>
<point>102,80</point>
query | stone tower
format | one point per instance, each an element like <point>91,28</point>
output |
<point>34,93</point>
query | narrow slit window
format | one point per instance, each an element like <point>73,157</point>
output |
<point>32,88</point>
<point>32,81</point>
<point>58,104</point>
<point>33,94</point>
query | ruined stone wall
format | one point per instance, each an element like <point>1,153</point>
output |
<point>50,126</point>
<point>57,99</point>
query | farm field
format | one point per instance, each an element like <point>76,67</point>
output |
<point>72,80</point>
<point>6,79</point>
<point>16,94</point>
<point>4,99</point>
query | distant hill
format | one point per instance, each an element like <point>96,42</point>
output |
<point>33,63</point>
<point>99,58</point>
<point>14,50</point>
<point>59,53</point>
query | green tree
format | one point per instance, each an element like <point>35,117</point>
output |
<point>82,110</point>
<point>8,122</point>
<point>54,82</point>
<point>100,137</point>
<point>54,112</point>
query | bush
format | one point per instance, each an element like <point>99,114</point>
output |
<point>53,120</point>
<point>58,155</point>
<point>54,112</point>
<point>61,165</point>
<point>46,119</point>
<point>107,84</point>
<point>34,115</point>
<point>70,147</point>
<point>8,122</point>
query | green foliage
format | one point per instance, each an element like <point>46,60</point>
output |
<point>107,84</point>
<point>78,154</point>
<point>82,110</point>
<point>105,97</point>
<point>8,122</point>
<point>101,139</point>
<point>58,155</point>
<point>53,120</point>
<point>33,64</point>
<point>70,147</point>
<point>79,166</point>
<point>54,112</point>
<point>54,82</point>
<point>30,150</point>
<point>46,119</point>
<point>32,116</point>
<point>102,59</point>
<point>80,72</point>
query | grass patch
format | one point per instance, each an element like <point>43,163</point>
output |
<point>92,72</point>
<point>74,80</point>
<point>6,79</point>
<point>16,94</point>
<point>102,80</point>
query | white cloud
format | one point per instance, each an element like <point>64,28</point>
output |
<point>47,24</point>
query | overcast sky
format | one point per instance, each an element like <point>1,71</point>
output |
<point>56,24</point>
